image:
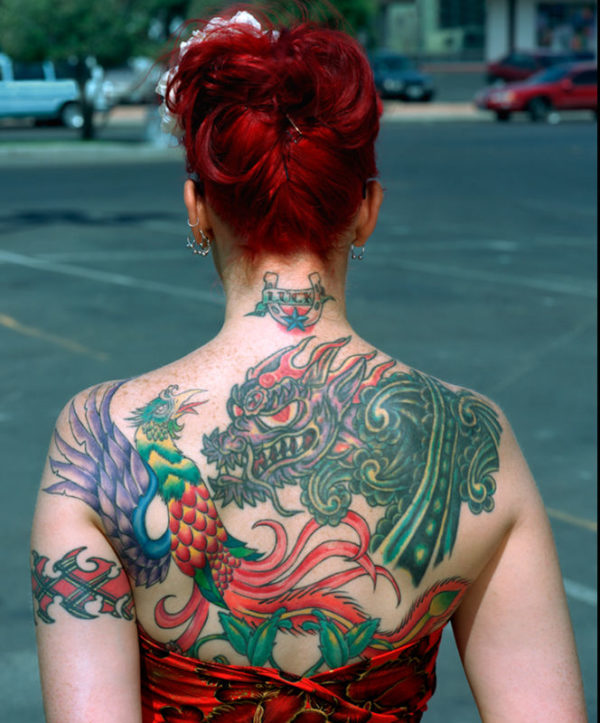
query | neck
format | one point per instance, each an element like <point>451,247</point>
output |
<point>294,297</point>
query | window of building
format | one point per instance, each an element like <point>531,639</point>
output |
<point>461,13</point>
<point>566,26</point>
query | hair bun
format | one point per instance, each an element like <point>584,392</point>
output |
<point>280,125</point>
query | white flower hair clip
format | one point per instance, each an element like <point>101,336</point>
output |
<point>169,122</point>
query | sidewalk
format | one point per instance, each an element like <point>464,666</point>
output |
<point>393,110</point>
<point>398,111</point>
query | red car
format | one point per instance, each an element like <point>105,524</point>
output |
<point>561,87</point>
<point>521,64</point>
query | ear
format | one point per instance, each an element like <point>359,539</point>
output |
<point>368,212</point>
<point>196,208</point>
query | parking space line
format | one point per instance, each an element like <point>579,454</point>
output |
<point>69,344</point>
<point>580,592</point>
<point>107,277</point>
<point>532,360</point>
<point>583,288</point>
<point>67,256</point>
<point>574,520</point>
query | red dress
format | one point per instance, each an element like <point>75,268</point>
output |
<point>390,687</point>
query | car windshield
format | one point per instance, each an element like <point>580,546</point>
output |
<point>394,62</point>
<point>550,75</point>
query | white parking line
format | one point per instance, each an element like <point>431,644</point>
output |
<point>582,593</point>
<point>68,256</point>
<point>533,360</point>
<point>573,287</point>
<point>69,344</point>
<point>107,277</point>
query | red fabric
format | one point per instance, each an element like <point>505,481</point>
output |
<point>390,687</point>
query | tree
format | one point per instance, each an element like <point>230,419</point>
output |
<point>111,31</point>
<point>353,15</point>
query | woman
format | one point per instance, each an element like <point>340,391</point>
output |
<point>278,526</point>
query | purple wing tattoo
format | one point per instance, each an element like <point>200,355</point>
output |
<point>109,475</point>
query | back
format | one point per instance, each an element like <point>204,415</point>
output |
<point>297,507</point>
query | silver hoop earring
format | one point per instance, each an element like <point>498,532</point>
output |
<point>193,225</point>
<point>357,257</point>
<point>204,250</point>
<point>199,249</point>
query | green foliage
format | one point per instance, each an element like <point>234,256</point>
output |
<point>350,15</point>
<point>114,30</point>
<point>111,30</point>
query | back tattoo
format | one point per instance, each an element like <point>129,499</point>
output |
<point>335,425</point>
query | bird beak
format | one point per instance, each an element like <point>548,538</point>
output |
<point>187,406</point>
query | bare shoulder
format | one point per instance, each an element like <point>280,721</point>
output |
<point>513,478</point>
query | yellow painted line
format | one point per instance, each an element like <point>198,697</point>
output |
<point>68,344</point>
<point>573,519</point>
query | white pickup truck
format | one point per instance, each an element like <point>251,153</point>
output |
<point>43,91</point>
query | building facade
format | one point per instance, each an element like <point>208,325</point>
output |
<point>485,29</point>
<point>537,24</point>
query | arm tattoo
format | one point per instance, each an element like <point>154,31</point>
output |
<point>292,309</point>
<point>75,587</point>
<point>335,425</point>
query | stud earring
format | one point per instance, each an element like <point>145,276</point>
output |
<point>357,256</point>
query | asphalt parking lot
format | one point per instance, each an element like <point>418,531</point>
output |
<point>482,272</point>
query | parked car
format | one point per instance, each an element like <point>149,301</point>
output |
<point>134,82</point>
<point>561,87</point>
<point>521,64</point>
<point>396,76</point>
<point>46,91</point>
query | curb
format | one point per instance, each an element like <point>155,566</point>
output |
<point>76,152</point>
<point>433,112</point>
<point>393,110</point>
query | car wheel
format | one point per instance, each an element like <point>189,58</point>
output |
<point>414,93</point>
<point>503,115</point>
<point>71,116</point>
<point>539,109</point>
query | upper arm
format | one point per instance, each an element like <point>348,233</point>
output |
<point>83,610</point>
<point>513,628</point>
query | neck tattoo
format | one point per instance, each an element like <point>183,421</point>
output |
<point>294,309</point>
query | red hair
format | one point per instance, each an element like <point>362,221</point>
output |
<point>279,131</point>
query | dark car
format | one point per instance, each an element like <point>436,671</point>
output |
<point>522,64</point>
<point>396,76</point>
<point>561,87</point>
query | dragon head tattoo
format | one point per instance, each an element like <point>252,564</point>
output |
<point>288,418</point>
<point>339,427</point>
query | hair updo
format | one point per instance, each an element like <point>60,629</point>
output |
<point>279,128</point>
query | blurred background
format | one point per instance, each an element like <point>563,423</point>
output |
<point>73,63</point>
<point>482,270</point>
